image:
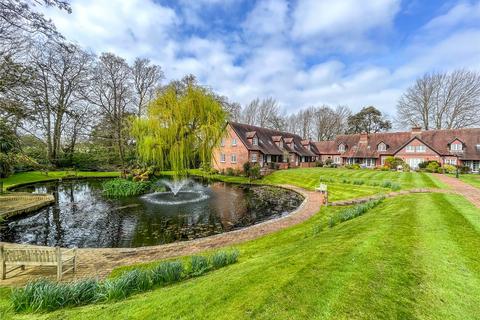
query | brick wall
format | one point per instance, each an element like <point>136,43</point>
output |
<point>427,155</point>
<point>228,149</point>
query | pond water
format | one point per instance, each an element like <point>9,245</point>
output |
<point>83,217</point>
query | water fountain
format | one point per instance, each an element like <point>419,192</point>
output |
<point>175,185</point>
<point>180,192</point>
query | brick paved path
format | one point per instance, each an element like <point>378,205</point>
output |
<point>462,188</point>
<point>100,262</point>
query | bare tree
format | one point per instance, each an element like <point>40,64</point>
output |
<point>442,101</point>
<point>60,75</point>
<point>263,113</point>
<point>20,21</point>
<point>111,91</point>
<point>330,122</point>
<point>146,79</point>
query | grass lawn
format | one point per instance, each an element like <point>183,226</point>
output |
<point>36,176</point>
<point>310,178</point>
<point>472,179</point>
<point>411,257</point>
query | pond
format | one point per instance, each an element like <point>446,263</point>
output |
<point>83,217</point>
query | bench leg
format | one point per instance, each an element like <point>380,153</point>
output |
<point>4,270</point>
<point>59,264</point>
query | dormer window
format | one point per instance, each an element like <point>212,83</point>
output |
<point>382,147</point>
<point>341,147</point>
<point>456,147</point>
<point>255,141</point>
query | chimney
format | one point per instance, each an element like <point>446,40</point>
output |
<point>363,138</point>
<point>416,131</point>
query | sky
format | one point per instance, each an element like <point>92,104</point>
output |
<point>303,53</point>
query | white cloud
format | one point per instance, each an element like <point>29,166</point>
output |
<point>270,53</point>
<point>267,17</point>
<point>326,19</point>
<point>460,14</point>
<point>134,27</point>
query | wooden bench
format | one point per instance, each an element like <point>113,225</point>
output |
<point>323,189</point>
<point>19,258</point>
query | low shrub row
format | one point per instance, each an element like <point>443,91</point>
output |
<point>384,184</point>
<point>46,295</point>
<point>353,212</point>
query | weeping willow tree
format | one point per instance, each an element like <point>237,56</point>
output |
<point>180,130</point>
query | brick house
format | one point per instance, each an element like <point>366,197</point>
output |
<point>266,147</point>
<point>457,146</point>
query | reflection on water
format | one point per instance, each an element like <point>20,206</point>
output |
<point>82,217</point>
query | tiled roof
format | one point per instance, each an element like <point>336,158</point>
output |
<point>267,138</point>
<point>438,140</point>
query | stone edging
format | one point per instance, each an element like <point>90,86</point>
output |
<point>37,202</point>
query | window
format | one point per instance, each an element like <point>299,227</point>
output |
<point>234,142</point>
<point>255,141</point>
<point>451,161</point>
<point>420,149</point>
<point>222,143</point>
<point>336,159</point>
<point>456,147</point>
<point>254,157</point>
<point>222,157</point>
<point>280,144</point>
<point>233,158</point>
<point>341,148</point>
<point>410,149</point>
<point>413,163</point>
<point>382,147</point>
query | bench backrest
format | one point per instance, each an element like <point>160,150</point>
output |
<point>30,255</point>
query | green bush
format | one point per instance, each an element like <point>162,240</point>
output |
<point>432,166</point>
<point>246,169</point>
<point>386,184</point>
<point>449,168</point>
<point>125,188</point>
<point>393,163</point>
<point>229,172</point>
<point>358,182</point>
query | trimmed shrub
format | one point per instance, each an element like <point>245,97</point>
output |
<point>229,172</point>
<point>358,210</point>
<point>358,182</point>
<point>449,168</point>
<point>432,166</point>
<point>386,184</point>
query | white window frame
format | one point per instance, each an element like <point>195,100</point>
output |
<point>382,147</point>
<point>455,147</point>
<point>233,158</point>
<point>451,161</point>
<point>223,157</point>
<point>253,157</point>
<point>336,159</point>
<point>255,141</point>
<point>341,147</point>
<point>410,149</point>
<point>234,142</point>
<point>420,148</point>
